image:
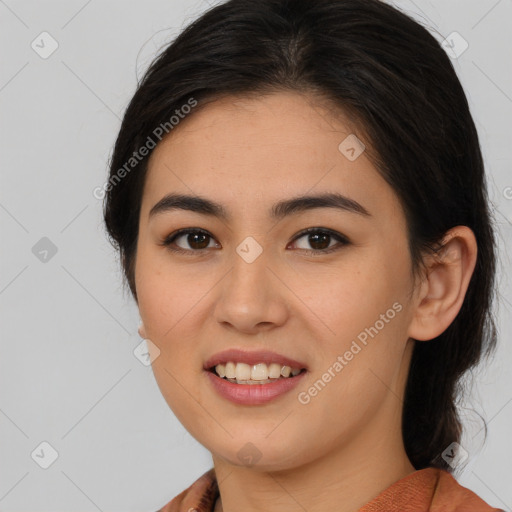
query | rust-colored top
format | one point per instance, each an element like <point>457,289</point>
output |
<point>426,490</point>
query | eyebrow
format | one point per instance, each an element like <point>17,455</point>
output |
<point>278,211</point>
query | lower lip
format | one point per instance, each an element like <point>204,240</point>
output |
<point>253,394</point>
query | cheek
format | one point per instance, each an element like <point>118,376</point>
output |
<point>344,299</point>
<point>168,306</point>
<point>179,387</point>
<point>165,309</point>
<point>355,378</point>
<point>164,296</point>
<point>360,314</point>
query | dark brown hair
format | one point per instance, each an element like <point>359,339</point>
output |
<point>391,76</point>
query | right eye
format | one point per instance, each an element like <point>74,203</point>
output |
<point>198,240</point>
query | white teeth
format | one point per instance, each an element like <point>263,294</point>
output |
<point>221,370</point>
<point>243,372</point>
<point>274,371</point>
<point>230,370</point>
<point>259,372</point>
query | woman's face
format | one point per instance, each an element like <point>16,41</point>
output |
<point>251,284</point>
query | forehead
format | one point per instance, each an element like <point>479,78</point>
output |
<point>243,151</point>
<point>278,120</point>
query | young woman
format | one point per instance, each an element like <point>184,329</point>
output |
<point>298,197</point>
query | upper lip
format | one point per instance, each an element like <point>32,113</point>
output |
<point>251,358</point>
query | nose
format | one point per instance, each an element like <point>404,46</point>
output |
<point>251,297</point>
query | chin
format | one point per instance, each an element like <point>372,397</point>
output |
<point>259,453</point>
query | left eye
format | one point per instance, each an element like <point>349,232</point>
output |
<point>199,240</point>
<point>319,239</point>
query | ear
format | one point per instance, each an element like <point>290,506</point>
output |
<point>444,285</point>
<point>142,330</point>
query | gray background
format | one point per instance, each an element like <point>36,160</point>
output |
<point>68,374</point>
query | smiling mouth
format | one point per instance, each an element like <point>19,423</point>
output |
<point>261,373</point>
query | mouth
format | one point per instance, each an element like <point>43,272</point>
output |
<point>261,373</point>
<point>244,389</point>
<point>240,366</point>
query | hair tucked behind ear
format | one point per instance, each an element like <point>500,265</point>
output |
<point>393,79</point>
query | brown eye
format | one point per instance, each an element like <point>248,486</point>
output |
<point>320,240</point>
<point>196,239</point>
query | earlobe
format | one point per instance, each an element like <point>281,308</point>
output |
<point>142,330</point>
<point>444,285</point>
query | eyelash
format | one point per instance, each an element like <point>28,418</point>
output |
<point>310,252</point>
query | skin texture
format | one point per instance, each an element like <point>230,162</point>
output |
<point>345,446</point>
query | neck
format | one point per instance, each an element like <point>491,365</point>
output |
<point>342,481</point>
<point>342,476</point>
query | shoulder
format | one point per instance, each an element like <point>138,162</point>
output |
<point>457,497</point>
<point>200,495</point>
<point>428,490</point>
